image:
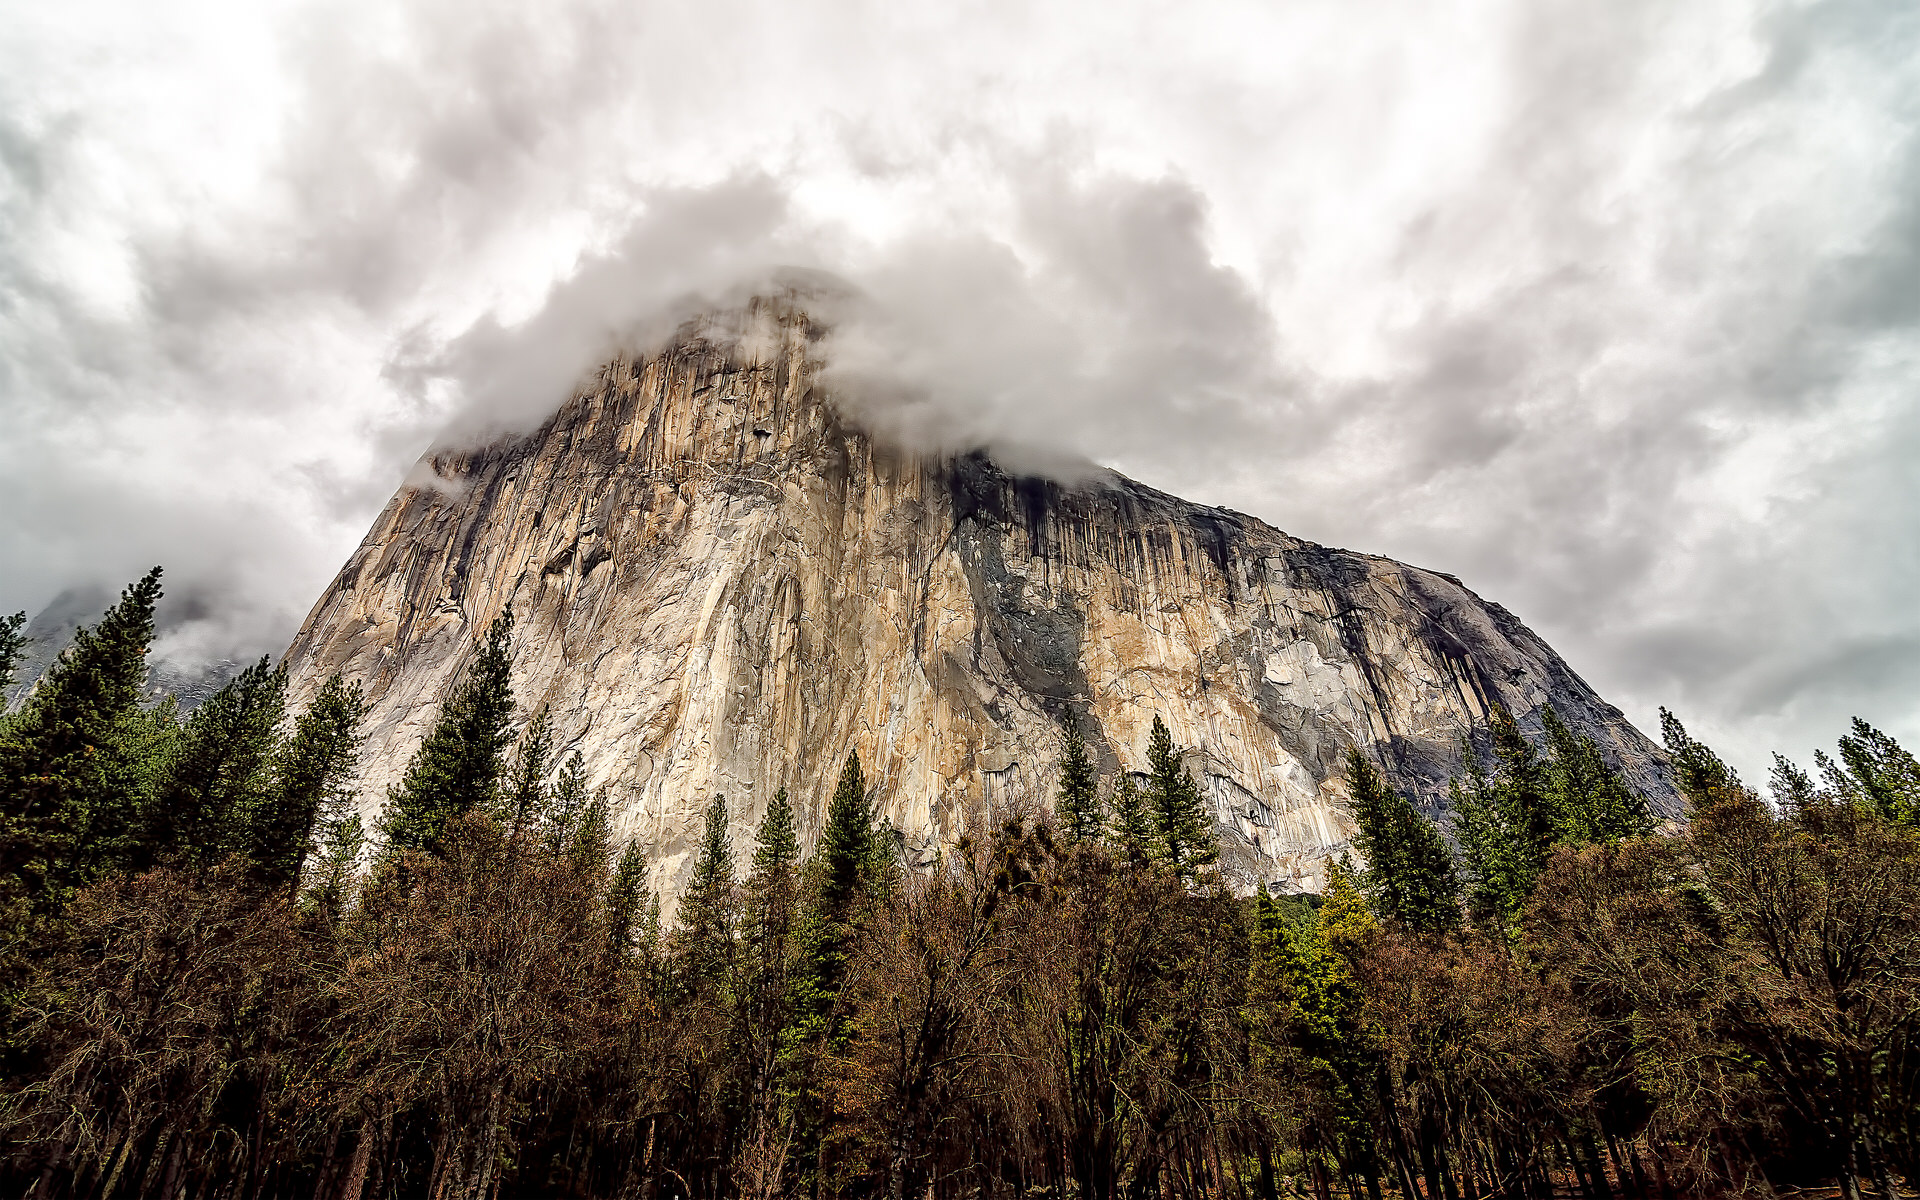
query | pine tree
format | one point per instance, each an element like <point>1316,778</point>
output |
<point>1078,806</point>
<point>458,767</point>
<point>1129,824</point>
<point>566,804</point>
<point>526,792</point>
<point>313,777</point>
<point>625,915</point>
<point>1499,856</point>
<point>72,780</point>
<point>1372,804</point>
<point>1880,774</point>
<point>591,846</point>
<point>221,773</point>
<point>1523,781</point>
<point>1589,800</point>
<point>705,940</point>
<point>1185,839</point>
<point>835,884</point>
<point>1792,788</point>
<point>845,848</point>
<point>13,646</point>
<point>1410,871</point>
<point>776,845</point>
<point>768,926</point>
<point>1697,770</point>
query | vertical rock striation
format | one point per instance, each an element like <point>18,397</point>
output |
<point>723,587</point>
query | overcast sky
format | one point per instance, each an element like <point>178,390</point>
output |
<point>1611,309</point>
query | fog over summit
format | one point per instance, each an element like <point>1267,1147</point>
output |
<point>1611,312</point>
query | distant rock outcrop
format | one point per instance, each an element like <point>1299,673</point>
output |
<point>723,587</point>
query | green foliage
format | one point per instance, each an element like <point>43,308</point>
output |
<point>1078,802</point>
<point>220,780</point>
<point>459,766</point>
<point>1508,822</point>
<point>526,791</point>
<point>1129,823</point>
<point>625,914</point>
<point>77,765</point>
<point>706,910</point>
<point>1588,800</point>
<point>330,883</point>
<point>313,776</point>
<point>1184,835</point>
<point>776,845</point>
<point>1697,770</point>
<point>566,805</point>
<point>1410,875</point>
<point>591,846</point>
<point>1879,774</point>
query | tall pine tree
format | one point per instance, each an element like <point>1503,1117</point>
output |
<point>1129,824</point>
<point>71,790</point>
<point>705,940</point>
<point>313,777</point>
<point>1410,874</point>
<point>1590,802</point>
<point>1184,832</point>
<point>625,910</point>
<point>221,772</point>
<point>1078,805</point>
<point>458,767</point>
<point>1698,772</point>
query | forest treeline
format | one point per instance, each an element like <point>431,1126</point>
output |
<point>216,983</point>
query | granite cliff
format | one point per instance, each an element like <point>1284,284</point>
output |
<point>722,586</point>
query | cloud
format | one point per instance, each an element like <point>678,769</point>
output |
<point>1610,310</point>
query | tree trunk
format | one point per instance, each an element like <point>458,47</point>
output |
<point>362,1156</point>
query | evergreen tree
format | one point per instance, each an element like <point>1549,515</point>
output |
<point>845,849</point>
<point>591,846</point>
<point>1501,862</point>
<point>458,767</point>
<point>776,845</point>
<point>1793,789</point>
<point>625,915</point>
<point>1078,805</point>
<point>567,804</point>
<point>1185,839</point>
<point>835,884</point>
<point>526,791</point>
<point>1129,824</point>
<point>771,897</point>
<point>1524,782</point>
<point>1697,770</point>
<point>13,645</point>
<point>313,776</point>
<point>1880,774</point>
<point>1587,798</point>
<point>705,941</point>
<point>71,777</point>
<point>1410,874</point>
<point>221,774</point>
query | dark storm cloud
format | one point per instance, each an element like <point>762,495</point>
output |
<point>1609,309</point>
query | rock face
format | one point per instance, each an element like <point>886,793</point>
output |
<point>722,587</point>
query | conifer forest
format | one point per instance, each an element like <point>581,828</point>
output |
<point>218,983</point>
